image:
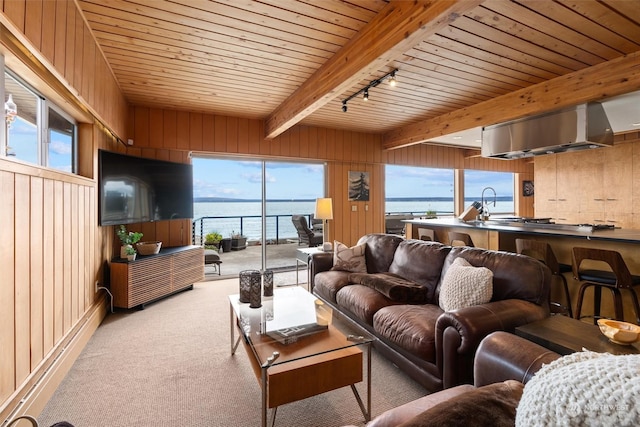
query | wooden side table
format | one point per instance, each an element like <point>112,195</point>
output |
<point>565,335</point>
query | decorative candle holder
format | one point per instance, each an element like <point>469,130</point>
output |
<point>267,283</point>
<point>255,299</point>
<point>247,277</point>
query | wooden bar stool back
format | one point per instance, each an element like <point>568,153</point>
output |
<point>460,239</point>
<point>426,234</point>
<point>542,252</point>
<point>617,279</point>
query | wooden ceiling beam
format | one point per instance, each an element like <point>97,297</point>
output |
<point>612,78</point>
<point>398,27</point>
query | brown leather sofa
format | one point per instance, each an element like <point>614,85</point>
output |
<point>500,359</point>
<point>434,347</point>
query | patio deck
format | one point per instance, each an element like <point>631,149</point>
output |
<point>280,258</point>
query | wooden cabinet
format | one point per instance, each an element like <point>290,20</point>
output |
<point>587,187</point>
<point>618,182</point>
<point>149,278</point>
<point>545,186</point>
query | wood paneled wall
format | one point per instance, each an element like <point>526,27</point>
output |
<point>56,34</point>
<point>51,247</point>
<point>50,263</point>
<point>172,134</point>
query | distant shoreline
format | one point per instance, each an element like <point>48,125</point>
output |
<point>390,199</point>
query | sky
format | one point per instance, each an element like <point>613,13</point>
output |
<point>23,142</point>
<point>241,180</point>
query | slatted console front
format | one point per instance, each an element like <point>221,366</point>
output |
<point>149,278</point>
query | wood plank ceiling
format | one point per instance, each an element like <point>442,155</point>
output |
<point>294,61</point>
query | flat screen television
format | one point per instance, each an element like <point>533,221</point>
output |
<point>134,189</point>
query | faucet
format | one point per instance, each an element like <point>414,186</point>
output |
<point>485,210</point>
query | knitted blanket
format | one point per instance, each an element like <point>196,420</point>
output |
<point>583,389</point>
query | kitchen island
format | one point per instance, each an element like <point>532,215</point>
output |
<point>498,234</point>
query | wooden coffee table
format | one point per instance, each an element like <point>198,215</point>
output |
<point>326,359</point>
<point>565,335</point>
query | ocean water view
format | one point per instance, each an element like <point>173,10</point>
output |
<point>244,216</point>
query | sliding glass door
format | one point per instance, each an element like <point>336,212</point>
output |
<point>254,200</point>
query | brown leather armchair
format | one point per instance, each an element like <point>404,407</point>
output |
<point>305,234</point>
<point>500,357</point>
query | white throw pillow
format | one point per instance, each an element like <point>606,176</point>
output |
<point>349,259</point>
<point>583,389</point>
<point>464,285</point>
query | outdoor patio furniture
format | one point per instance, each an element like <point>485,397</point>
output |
<point>305,234</point>
<point>212,257</point>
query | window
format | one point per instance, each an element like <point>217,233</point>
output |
<point>415,190</point>
<point>36,130</point>
<point>477,182</point>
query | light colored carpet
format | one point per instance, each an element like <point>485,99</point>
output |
<point>170,365</point>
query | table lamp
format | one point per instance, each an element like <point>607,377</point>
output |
<point>324,211</point>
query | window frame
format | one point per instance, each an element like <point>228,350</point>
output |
<point>43,131</point>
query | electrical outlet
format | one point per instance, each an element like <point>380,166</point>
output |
<point>97,286</point>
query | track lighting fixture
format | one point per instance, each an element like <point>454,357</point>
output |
<point>373,83</point>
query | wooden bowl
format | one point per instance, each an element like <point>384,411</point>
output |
<point>619,332</point>
<point>148,248</point>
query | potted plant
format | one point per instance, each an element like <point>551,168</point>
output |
<point>128,239</point>
<point>238,241</point>
<point>212,240</point>
<point>430,214</point>
<point>130,252</point>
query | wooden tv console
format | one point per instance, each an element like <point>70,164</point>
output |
<point>149,278</point>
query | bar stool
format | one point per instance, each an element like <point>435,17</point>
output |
<point>460,239</point>
<point>426,234</point>
<point>618,278</point>
<point>542,252</point>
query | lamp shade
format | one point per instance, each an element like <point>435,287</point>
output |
<point>324,208</point>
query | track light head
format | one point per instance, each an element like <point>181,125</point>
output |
<point>392,79</point>
<point>366,94</point>
<point>344,106</point>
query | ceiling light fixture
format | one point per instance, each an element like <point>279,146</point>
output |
<point>373,83</point>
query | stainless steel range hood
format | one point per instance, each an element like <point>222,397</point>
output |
<point>576,128</point>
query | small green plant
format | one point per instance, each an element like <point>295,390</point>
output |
<point>128,238</point>
<point>430,214</point>
<point>212,238</point>
<point>129,250</point>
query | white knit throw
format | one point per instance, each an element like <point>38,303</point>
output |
<point>583,389</point>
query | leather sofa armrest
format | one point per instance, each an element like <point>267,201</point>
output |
<point>459,332</point>
<point>321,261</point>
<point>503,356</point>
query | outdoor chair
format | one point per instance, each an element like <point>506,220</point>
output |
<point>305,234</point>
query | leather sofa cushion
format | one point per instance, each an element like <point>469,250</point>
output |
<point>411,327</point>
<point>379,251</point>
<point>327,284</point>
<point>396,416</point>
<point>514,276</point>
<point>392,286</point>
<point>491,405</point>
<point>362,301</point>
<point>421,262</point>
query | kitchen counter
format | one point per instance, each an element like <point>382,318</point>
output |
<point>616,235</point>
<point>499,235</point>
<point>494,234</point>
